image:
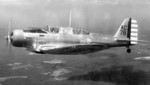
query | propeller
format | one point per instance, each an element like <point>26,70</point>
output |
<point>8,37</point>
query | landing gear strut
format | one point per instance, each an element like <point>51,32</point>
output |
<point>128,50</point>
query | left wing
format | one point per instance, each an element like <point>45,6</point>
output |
<point>34,46</point>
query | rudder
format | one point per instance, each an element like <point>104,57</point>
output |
<point>134,32</point>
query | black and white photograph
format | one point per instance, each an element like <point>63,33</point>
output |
<point>74,42</point>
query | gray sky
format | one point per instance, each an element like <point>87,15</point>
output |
<point>93,15</point>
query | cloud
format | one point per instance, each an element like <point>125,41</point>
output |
<point>142,58</point>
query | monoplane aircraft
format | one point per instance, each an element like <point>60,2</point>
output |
<point>67,40</point>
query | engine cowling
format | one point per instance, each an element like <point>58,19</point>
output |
<point>17,38</point>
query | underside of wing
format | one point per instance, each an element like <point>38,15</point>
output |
<point>73,49</point>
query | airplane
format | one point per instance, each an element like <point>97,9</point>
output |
<point>70,41</point>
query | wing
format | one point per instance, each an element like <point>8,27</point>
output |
<point>53,48</point>
<point>72,49</point>
<point>33,46</point>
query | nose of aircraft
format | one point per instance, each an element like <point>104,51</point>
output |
<point>16,38</point>
<point>9,37</point>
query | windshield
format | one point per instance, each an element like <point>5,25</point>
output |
<point>46,28</point>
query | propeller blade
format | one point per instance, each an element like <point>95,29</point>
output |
<point>10,49</point>
<point>9,26</point>
<point>8,37</point>
<point>6,43</point>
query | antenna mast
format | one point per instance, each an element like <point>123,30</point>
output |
<point>70,20</point>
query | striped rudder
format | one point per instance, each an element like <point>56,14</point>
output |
<point>134,32</point>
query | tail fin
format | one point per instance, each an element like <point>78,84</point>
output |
<point>128,31</point>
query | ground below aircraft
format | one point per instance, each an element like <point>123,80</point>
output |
<point>67,40</point>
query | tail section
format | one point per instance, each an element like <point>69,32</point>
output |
<point>128,31</point>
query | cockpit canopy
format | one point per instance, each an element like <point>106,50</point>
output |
<point>51,29</point>
<point>59,29</point>
<point>48,29</point>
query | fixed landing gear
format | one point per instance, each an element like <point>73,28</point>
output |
<point>128,50</point>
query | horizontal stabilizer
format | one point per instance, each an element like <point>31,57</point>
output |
<point>139,41</point>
